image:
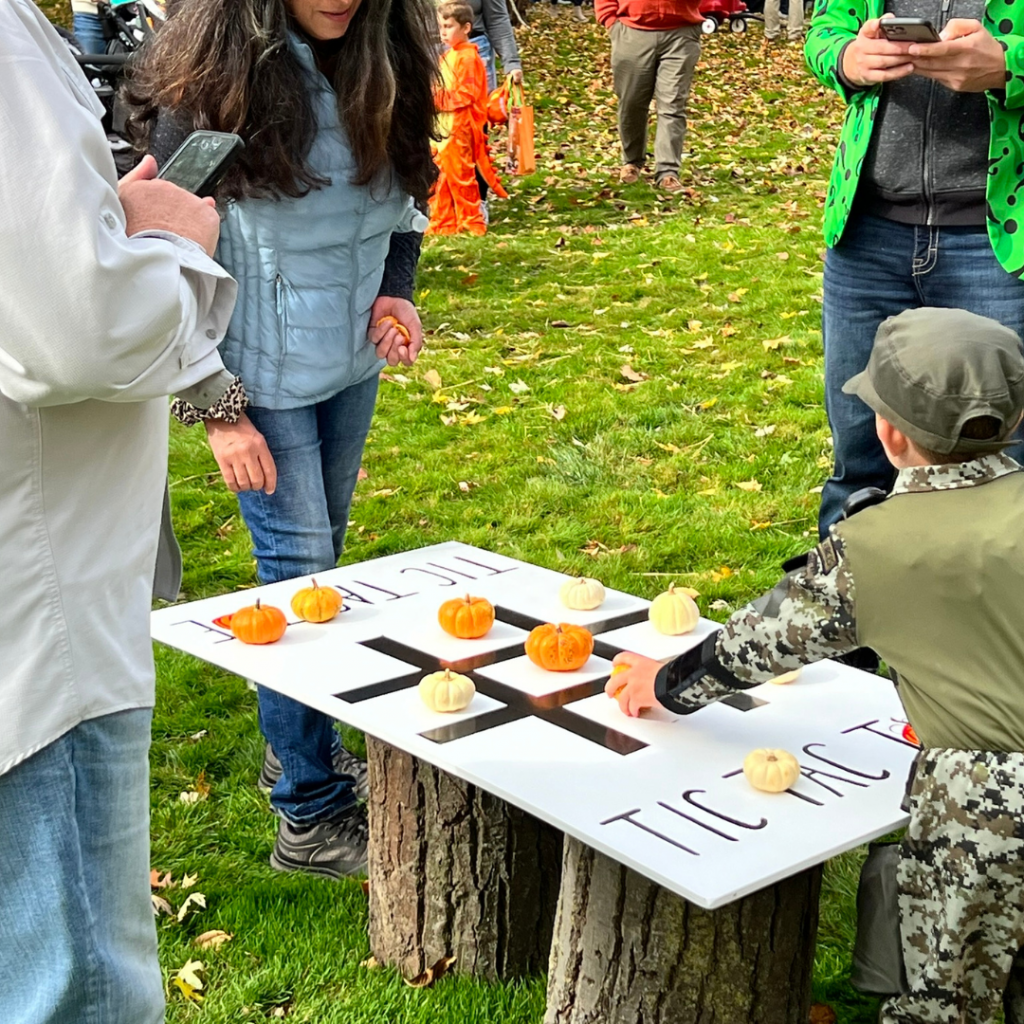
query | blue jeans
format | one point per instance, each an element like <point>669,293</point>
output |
<point>77,938</point>
<point>296,531</point>
<point>88,30</point>
<point>486,51</point>
<point>879,269</point>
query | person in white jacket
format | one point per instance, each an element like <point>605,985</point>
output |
<point>108,303</point>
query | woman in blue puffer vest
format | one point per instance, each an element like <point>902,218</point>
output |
<point>321,229</point>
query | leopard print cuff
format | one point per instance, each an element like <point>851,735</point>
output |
<point>229,407</point>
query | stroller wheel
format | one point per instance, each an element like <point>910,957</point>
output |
<point>738,25</point>
<point>709,25</point>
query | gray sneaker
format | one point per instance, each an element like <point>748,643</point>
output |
<point>345,763</point>
<point>335,848</point>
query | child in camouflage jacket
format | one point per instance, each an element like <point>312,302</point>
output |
<point>930,577</point>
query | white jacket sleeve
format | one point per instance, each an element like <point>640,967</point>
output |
<point>85,311</point>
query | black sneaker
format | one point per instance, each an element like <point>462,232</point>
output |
<point>345,762</point>
<point>335,848</point>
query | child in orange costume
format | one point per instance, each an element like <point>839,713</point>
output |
<point>462,104</point>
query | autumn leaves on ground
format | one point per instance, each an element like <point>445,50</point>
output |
<point>616,383</point>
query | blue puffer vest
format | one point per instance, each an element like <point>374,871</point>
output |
<point>308,271</point>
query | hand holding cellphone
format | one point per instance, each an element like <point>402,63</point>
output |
<point>199,164</point>
<point>908,30</point>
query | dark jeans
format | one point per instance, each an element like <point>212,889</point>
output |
<point>879,269</point>
<point>296,531</point>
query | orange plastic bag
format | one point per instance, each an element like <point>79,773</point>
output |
<point>521,157</point>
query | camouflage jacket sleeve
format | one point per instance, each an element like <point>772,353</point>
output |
<point>808,616</point>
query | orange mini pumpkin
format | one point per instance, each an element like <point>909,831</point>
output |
<point>390,321</point>
<point>466,617</point>
<point>562,648</point>
<point>316,603</point>
<point>259,624</point>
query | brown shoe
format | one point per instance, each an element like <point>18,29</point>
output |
<point>670,183</point>
<point>629,174</point>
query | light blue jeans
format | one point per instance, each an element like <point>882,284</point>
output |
<point>879,269</point>
<point>297,531</point>
<point>486,51</point>
<point>88,29</point>
<point>77,938</point>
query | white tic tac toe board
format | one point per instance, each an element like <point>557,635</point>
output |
<point>662,794</point>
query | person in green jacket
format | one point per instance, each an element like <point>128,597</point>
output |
<point>929,577</point>
<point>922,205</point>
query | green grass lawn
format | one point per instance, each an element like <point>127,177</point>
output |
<point>620,384</point>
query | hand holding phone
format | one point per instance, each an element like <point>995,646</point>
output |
<point>908,30</point>
<point>153,205</point>
<point>199,164</point>
<point>871,59</point>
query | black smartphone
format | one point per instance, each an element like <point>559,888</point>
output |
<point>200,162</point>
<point>909,30</point>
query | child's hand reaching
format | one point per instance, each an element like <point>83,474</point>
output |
<point>632,682</point>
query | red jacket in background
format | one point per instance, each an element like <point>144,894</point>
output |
<point>648,14</point>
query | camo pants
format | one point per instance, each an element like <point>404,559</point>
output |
<point>961,890</point>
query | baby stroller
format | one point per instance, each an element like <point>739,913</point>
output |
<point>716,12</point>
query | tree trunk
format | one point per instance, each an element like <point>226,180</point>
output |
<point>454,871</point>
<point>626,951</point>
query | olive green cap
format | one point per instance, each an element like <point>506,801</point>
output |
<point>931,370</point>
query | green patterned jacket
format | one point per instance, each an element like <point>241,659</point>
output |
<point>834,24</point>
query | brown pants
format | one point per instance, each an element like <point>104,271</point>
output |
<point>656,63</point>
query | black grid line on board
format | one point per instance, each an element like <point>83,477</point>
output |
<point>551,707</point>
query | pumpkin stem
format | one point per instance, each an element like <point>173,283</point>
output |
<point>257,603</point>
<point>672,587</point>
<point>447,675</point>
<point>469,600</point>
<point>315,585</point>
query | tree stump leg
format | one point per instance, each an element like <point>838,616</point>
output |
<point>455,871</point>
<point>625,950</point>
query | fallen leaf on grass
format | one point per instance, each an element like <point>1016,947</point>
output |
<point>749,485</point>
<point>503,410</point>
<point>771,344</point>
<point>195,901</point>
<point>188,881</point>
<point>433,973</point>
<point>433,378</point>
<point>161,906</point>
<point>519,387</point>
<point>629,373</point>
<point>212,939</point>
<point>558,412</point>
<point>558,323</point>
<point>188,981</point>
<point>158,881</point>
<point>723,572</point>
<point>464,486</point>
<point>765,431</point>
<point>822,1014</point>
<point>365,884</point>
<point>362,474</point>
<point>371,963</point>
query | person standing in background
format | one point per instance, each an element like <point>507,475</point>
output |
<point>88,354</point>
<point>492,31</point>
<point>88,26</point>
<point>773,20</point>
<point>922,200</point>
<point>655,49</point>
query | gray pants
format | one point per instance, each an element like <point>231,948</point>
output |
<point>794,20</point>
<point>659,64</point>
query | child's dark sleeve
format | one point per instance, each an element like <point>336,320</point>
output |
<point>809,615</point>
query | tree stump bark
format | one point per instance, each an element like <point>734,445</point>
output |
<point>455,871</point>
<point>627,950</point>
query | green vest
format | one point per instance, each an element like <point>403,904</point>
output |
<point>939,591</point>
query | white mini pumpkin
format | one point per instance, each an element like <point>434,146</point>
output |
<point>446,691</point>
<point>674,612</point>
<point>771,771</point>
<point>582,593</point>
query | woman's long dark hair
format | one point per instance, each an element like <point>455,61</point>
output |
<point>226,65</point>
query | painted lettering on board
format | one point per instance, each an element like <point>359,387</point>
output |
<point>697,822</point>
